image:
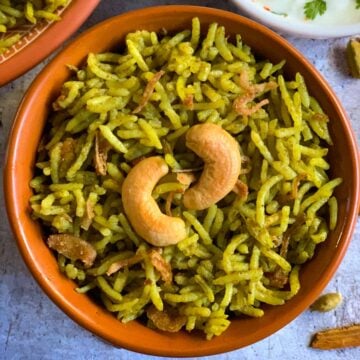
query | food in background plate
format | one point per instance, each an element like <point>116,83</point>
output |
<point>14,14</point>
<point>184,180</point>
<point>317,11</point>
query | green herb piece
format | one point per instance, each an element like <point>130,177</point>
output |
<point>357,4</point>
<point>314,8</point>
<point>280,13</point>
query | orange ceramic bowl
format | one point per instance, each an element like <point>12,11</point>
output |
<point>41,40</point>
<point>26,134</point>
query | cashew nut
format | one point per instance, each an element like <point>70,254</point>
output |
<point>221,155</point>
<point>142,210</point>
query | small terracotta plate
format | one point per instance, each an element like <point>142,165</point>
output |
<point>37,42</point>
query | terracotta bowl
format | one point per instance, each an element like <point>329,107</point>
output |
<point>41,40</point>
<point>26,134</point>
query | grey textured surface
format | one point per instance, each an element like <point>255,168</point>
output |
<point>32,327</point>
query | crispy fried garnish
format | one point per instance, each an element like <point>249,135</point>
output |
<point>240,104</point>
<point>67,155</point>
<point>185,178</point>
<point>189,102</point>
<point>167,320</point>
<point>245,165</point>
<point>200,168</point>
<point>88,215</point>
<point>284,245</point>
<point>56,104</point>
<point>278,279</point>
<point>295,185</point>
<point>285,199</point>
<point>149,89</point>
<point>245,159</point>
<point>167,148</point>
<point>73,247</point>
<point>68,149</point>
<point>299,221</point>
<point>245,83</point>
<point>102,148</point>
<point>67,217</point>
<point>243,80</point>
<point>320,117</point>
<point>155,258</point>
<point>116,266</point>
<point>264,87</point>
<point>168,202</point>
<point>241,189</point>
<point>182,177</point>
<point>161,265</point>
<point>148,282</point>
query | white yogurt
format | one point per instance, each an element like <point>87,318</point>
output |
<point>339,12</point>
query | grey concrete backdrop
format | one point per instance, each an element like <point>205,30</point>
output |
<point>32,327</point>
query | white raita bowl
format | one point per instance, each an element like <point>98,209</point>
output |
<point>287,17</point>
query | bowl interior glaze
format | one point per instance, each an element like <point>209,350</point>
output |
<point>26,134</point>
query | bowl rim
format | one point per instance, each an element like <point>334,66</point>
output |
<point>297,27</point>
<point>49,40</point>
<point>13,211</point>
